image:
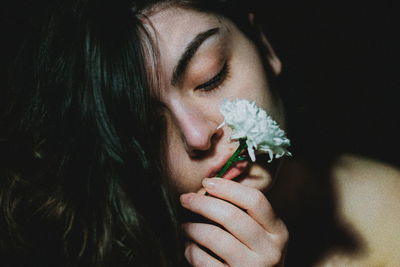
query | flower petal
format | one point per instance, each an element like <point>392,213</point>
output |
<point>253,123</point>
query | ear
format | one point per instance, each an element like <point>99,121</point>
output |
<point>272,58</point>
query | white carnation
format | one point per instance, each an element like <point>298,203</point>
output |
<point>261,132</point>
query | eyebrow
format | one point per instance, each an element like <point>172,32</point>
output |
<point>189,52</point>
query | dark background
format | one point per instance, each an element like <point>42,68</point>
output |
<point>340,70</point>
<point>340,74</point>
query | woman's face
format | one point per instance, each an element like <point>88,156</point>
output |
<point>205,59</point>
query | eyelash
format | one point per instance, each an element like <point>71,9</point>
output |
<point>216,81</point>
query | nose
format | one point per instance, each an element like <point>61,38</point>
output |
<point>198,131</point>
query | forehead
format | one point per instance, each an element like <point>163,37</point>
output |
<point>176,25</point>
<point>173,28</point>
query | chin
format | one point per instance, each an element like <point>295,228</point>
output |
<point>261,174</point>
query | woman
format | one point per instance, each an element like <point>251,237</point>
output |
<point>90,184</point>
<point>334,225</point>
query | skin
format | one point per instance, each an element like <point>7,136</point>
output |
<point>365,205</point>
<point>368,203</point>
<point>197,149</point>
<point>195,145</point>
<point>364,191</point>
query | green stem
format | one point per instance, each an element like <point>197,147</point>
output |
<point>233,158</point>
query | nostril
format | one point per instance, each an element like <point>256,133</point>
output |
<point>216,136</point>
<point>209,148</point>
<point>199,154</point>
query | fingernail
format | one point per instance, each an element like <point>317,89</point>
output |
<point>186,198</point>
<point>209,183</point>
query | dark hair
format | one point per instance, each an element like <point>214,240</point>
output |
<point>80,176</point>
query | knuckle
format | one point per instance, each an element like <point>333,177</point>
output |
<point>272,255</point>
<point>223,241</point>
<point>198,262</point>
<point>258,200</point>
<point>232,214</point>
<point>214,231</point>
<point>190,254</point>
<point>273,258</point>
<point>282,236</point>
<point>276,257</point>
<point>285,235</point>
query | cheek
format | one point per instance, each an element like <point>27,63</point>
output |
<point>177,162</point>
<point>251,81</point>
<point>173,148</point>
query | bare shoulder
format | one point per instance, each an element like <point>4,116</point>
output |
<point>368,199</point>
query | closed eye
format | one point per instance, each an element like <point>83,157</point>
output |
<point>216,81</point>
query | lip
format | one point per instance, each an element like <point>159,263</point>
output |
<point>234,171</point>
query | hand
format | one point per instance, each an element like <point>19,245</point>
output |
<point>250,233</point>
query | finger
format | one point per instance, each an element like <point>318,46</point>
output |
<point>201,191</point>
<point>220,242</point>
<point>233,219</point>
<point>198,257</point>
<point>250,199</point>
